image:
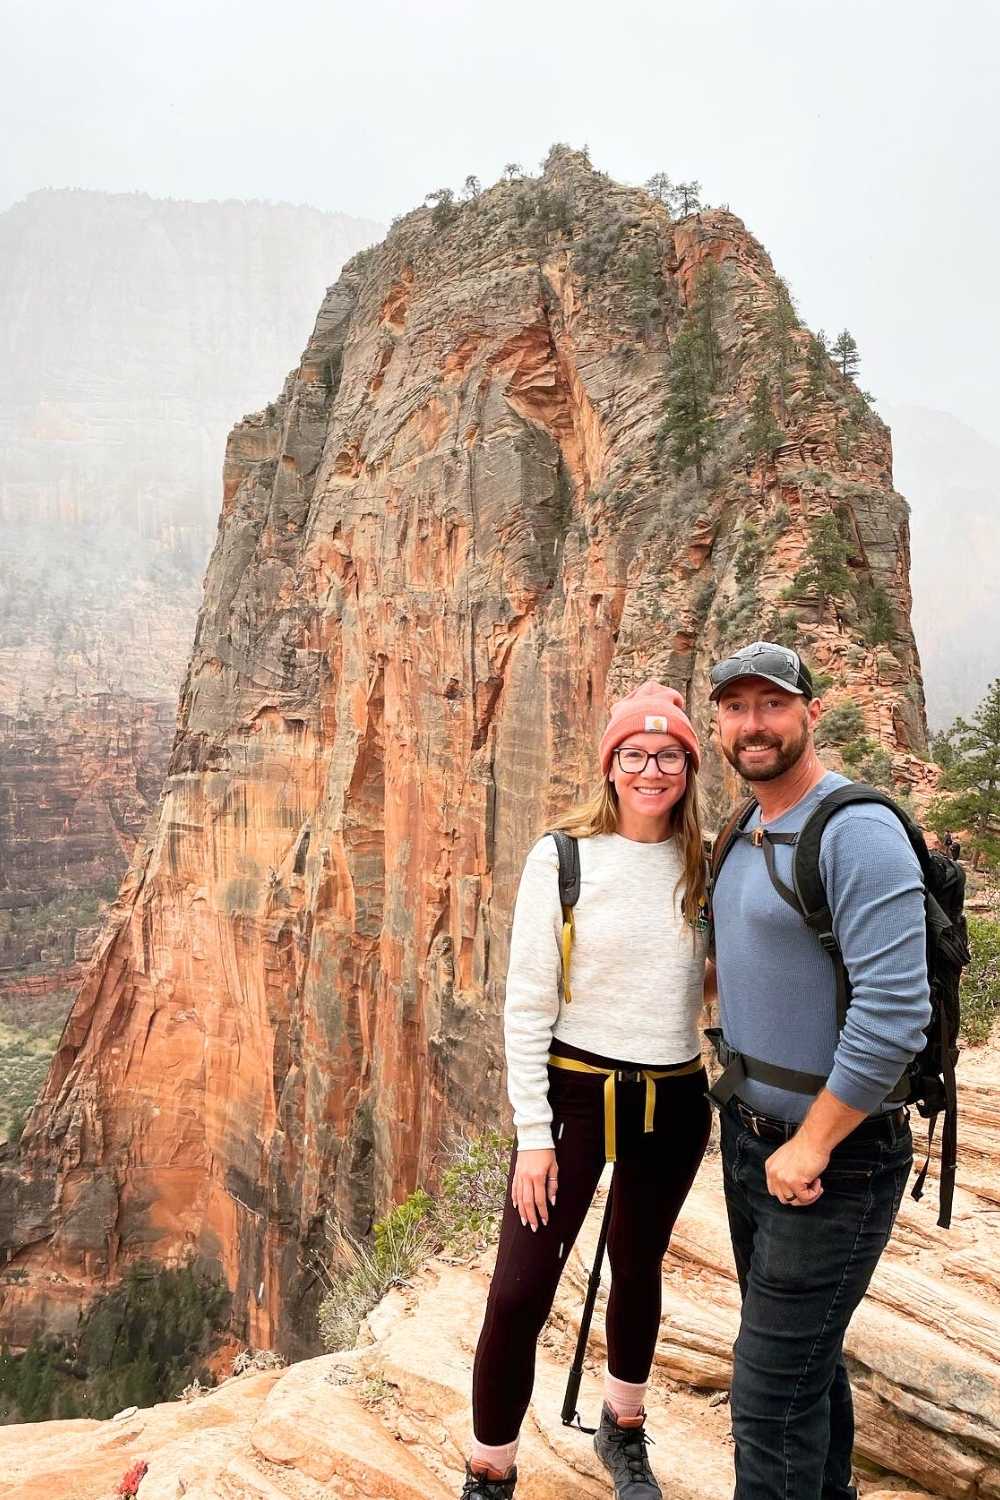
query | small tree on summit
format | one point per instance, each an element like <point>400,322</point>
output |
<point>661,188</point>
<point>688,197</point>
<point>445,207</point>
<point>513,169</point>
<point>844,353</point>
<point>473,187</point>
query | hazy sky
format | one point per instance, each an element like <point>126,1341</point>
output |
<point>857,139</point>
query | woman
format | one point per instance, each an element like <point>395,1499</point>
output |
<point>637,965</point>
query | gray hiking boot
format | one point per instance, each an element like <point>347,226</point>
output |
<point>622,1450</point>
<point>479,1488</point>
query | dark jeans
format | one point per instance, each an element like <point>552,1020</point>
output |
<point>652,1177</point>
<point>802,1272</point>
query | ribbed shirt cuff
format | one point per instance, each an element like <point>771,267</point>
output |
<point>534,1138</point>
<point>864,1094</point>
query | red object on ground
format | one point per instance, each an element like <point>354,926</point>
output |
<point>128,1485</point>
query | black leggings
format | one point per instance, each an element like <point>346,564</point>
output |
<point>652,1177</point>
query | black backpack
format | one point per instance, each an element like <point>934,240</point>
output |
<point>929,1081</point>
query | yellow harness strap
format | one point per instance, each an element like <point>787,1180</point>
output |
<point>610,1076</point>
<point>568,933</point>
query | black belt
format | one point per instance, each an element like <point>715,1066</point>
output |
<point>770,1129</point>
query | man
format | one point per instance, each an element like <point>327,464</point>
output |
<point>812,1179</point>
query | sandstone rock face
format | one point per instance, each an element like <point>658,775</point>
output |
<point>442,550</point>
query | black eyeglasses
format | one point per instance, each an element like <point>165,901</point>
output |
<point>634,761</point>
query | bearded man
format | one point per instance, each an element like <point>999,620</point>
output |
<point>815,1149</point>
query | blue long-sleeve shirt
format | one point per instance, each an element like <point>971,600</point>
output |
<point>777,988</point>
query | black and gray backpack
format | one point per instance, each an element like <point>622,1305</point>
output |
<point>929,1081</point>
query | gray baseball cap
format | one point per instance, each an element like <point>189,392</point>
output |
<point>778,664</point>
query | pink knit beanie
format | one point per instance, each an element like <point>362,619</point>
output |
<point>650,709</point>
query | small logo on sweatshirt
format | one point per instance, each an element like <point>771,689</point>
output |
<point>655,724</point>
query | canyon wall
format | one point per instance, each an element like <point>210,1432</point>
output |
<point>452,539</point>
<point>134,331</point>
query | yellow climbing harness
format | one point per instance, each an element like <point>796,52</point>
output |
<point>612,1076</point>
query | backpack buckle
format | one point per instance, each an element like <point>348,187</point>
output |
<point>757,837</point>
<point>828,943</point>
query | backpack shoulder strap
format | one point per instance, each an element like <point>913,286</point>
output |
<point>728,834</point>
<point>806,872</point>
<point>568,849</point>
<point>569,867</point>
<point>808,880</point>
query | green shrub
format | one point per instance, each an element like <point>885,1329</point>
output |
<point>473,1188</point>
<point>363,1273</point>
<point>877,620</point>
<point>981,981</point>
<point>840,725</point>
<point>464,1218</point>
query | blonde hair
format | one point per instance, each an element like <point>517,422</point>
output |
<point>599,814</point>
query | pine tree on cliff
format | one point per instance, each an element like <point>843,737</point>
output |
<point>688,429</point>
<point>662,189</point>
<point>762,434</point>
<point>844,352</point>
<point>781,321</point>
<point>709,286</point>
<point>824,573</point>
<point>817,363</point>
<point>687,197</point>
<point>973,779</point>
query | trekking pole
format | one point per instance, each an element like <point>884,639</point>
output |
<point>569,1410</point>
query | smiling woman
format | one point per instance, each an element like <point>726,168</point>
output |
<point>610,1071</point>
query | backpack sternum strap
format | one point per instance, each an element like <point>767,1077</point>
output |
<point>767,841</point>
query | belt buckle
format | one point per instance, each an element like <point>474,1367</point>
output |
<point>748,1117</point>
<point>629,1075</point>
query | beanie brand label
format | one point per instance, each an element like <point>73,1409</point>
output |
<point>655,724</point>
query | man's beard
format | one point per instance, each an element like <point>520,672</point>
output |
<point>786,755</point>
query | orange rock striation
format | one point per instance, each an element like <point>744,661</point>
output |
<point>444,547</point>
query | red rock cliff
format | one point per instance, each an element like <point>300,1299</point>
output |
<point>441,551</point>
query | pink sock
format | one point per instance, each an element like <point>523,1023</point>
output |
<point>624,1398</point>
<point>499,1458</point>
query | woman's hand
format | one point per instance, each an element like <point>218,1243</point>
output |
<point>534,1185</point>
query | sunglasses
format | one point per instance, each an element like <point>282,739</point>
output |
<point>764,661</point>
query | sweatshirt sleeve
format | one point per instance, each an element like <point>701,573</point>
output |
<point>875,890</point>
<point>531,1007</point>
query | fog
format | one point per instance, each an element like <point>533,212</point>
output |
<point>858,141</point>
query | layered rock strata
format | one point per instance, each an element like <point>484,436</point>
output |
<point>443,549</point>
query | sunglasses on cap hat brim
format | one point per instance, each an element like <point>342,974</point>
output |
<point>774,664</point>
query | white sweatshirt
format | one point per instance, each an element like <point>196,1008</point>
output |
<point>636,971</point>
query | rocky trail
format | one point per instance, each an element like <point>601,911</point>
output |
<point>389,1420</point>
